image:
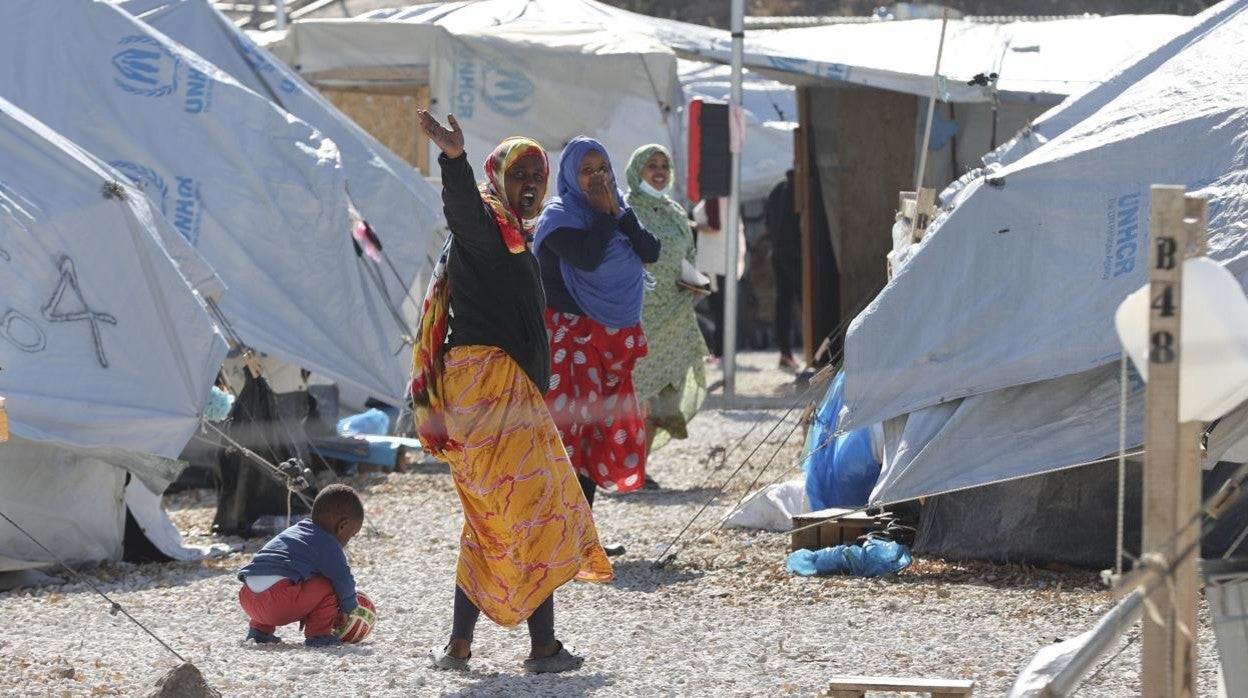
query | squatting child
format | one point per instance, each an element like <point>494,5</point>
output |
<point>303,575</point>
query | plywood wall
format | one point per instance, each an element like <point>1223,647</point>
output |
<point>389,114</point>
<point>863,145</point>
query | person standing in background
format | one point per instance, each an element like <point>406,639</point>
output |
<point>711,216</point>
<point>784,226</point>
<point>671,379</point>
<point>591,249</point>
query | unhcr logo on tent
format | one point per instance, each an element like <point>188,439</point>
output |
<point>1122,228</point>
<point>149,69</point>
<point>505,90</point>
<point>145,178</point>
<point>185,215</point>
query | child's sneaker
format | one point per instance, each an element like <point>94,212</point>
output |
<point>322,641</point>
<point>262,638</point>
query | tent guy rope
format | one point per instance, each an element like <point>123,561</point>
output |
<point>113,607</point>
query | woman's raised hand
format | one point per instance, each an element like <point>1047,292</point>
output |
<point>451,140</point>
<point>602,196</point>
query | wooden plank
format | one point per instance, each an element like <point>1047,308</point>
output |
<point>960,687</point>
<point>829,527</point>
<point>1171,487</point>
<point>924,212</point>
<point>389,115</point>
<point>804,180</point>
<point>370,77</point>
<point>874,145</point>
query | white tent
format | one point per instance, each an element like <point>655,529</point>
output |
<point>1013,369</point>
<point>546,69</point>
<point>107,355</point>
<point>401,206</point>
<point>257,192</point>
<point>1039,61</point>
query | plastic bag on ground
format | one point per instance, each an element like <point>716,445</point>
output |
<point>771,508</point>
<point>874,558</point>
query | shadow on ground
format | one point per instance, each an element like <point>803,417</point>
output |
<point>666,497</point>
<point>126,577</point>
<point>640,575</point>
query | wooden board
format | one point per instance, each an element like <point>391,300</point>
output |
<point>924,212</point>
<point>871,133</point>
<point>388,112</point>
<point>835,527</point>
<point>858,685</point>
<point>803,178</point>
<point>1171,460</point>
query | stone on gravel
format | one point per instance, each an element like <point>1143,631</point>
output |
<point>182,681</point>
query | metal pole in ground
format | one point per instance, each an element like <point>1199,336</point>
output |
<point>734,203</point>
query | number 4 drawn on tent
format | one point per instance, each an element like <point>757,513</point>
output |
<point>69,280</point>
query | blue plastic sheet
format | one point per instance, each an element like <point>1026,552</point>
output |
<point>841,473</point>
<point>874,558</point>
<point>373,422</point>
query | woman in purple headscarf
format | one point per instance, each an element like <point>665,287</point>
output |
<point>591,250</point>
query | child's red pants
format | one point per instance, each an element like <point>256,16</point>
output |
<point>313,602</point>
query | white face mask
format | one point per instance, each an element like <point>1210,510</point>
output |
<point>647,188</point>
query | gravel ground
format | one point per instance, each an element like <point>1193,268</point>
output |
<point>724,619</point>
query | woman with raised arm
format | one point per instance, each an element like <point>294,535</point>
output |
<point>481,364</point>
<point>591,250</point>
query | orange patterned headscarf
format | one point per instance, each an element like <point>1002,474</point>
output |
<point>427,399</point>
<point>494,191</point>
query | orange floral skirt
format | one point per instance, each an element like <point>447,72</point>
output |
<point>527,527</point>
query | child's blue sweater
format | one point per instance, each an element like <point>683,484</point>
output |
<point>301,551</point>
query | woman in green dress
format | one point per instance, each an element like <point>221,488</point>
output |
<point>671,380</point>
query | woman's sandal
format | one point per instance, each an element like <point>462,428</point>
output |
<point>563,660</point>
<point>442,660</point>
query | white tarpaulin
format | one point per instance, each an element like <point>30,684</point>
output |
<point>102,342</point>
<point>258,193</point>
<point>1057,120</point>
<point>72,504</point>
<point>401,206</point>
<point>1048,424</point>
<point>1019,282</point>
<point>1008,434</point>
<point>548,70</point>
<point>1036,61</point>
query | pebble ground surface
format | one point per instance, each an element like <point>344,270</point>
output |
<point>723,619</point>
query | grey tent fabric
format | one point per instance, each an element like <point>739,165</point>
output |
<point>1019,281</point>
<point>404,209</point>
<point>110,308</point>
<point>258,193</point>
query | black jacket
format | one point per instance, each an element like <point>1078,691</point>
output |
<point>496,295</point>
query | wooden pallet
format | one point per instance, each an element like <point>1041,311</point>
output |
<point>857,686</point>
<point>834,527</point>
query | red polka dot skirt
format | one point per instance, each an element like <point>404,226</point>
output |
<point>592,400</point>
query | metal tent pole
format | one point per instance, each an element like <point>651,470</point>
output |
<point>734,209</point>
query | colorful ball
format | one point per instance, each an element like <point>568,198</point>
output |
<point>360,621</point>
